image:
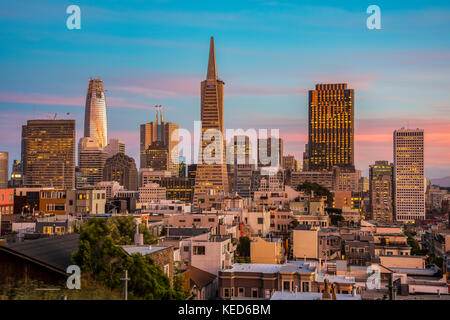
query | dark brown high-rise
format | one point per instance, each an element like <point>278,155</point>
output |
<point>331,127</point>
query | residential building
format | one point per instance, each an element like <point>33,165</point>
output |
<point>52,202</point>
<point>267,250</point>
<point>6,201</point>
<point>305,242</point>
<point>86,201</point>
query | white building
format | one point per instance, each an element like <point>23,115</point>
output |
<point>150,192</point>
<point>409,177</point>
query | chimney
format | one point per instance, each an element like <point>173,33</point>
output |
<point>354,291</point>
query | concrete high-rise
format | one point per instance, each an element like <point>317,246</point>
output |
<point>212,175</point>
<point>331,127</point>
<point>114,147</point>
<point>17,175</point>
<point>409,180</point>
<point>48,153</point>
<point>91,160</point>
<point>381,191</point>
<point>95,120</point>
<point>4,169</point>
<point>159,139</point>
<point>121,168</point>
<point>270,152</point>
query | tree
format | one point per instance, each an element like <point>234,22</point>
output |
<point>243,247</point>
<point>335,218</point>
<point>414,244</point>
<point>100,256</point>
<point>318,190</point>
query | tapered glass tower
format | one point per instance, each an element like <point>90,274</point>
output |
<point>95,121</point>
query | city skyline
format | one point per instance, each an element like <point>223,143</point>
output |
<point>270,87</point>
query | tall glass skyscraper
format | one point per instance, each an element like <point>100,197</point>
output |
<point>95,121</point>
<point>331,127</point>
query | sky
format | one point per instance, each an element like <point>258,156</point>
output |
<point>269,53</point>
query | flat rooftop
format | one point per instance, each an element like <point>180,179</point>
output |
<point>143,250</point>
<point>286,295</point>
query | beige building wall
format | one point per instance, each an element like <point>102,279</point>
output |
<point>266,252</point>
<point>413,262</point>
<point>306,244</point>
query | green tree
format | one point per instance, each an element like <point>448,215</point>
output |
<point>100,256</point>
<point>243,247</point>
<point>414,244</point>
<point>335,219</point>
<point>318,190</point>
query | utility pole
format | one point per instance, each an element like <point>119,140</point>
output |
<point>391,288</point>
<point>125,284</point>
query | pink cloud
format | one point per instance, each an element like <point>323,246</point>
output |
<point>37,98</point>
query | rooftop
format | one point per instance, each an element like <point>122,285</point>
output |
<point>287,295</point>
<point>53,251</point>
<point>143,250</point>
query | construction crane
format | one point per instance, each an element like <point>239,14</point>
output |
<point>55,114</point>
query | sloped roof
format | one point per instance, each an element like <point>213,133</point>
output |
<point>200,277</point>
<point>53,252</point>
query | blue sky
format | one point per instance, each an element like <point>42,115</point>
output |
<point>269,53</point>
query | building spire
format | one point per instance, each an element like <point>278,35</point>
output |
<point>212,70</point>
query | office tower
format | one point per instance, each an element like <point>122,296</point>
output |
<point>211,177</point>
<point>331,127</point>
<point>243,179</point>
<point>114,147</point>
<point>270,152</point>
<point>381,191</point>
<point>345,179</point>
<point>121,168</point>
<point>17,175</point>
<point>182,172</point>
<point>147,175</point>
<point>48,153</point>
<point>4,169</point>
<point>363,184</point>
<point>95,121</point>
<point>156,157</point>
<point>409,181</point>
<point>91,160</point>
<point>178,188</point>
<point>192,171</point>
<point>305,166</point>
<point>289,163</point>
<point>156,135</point>
<point>239,151</point>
